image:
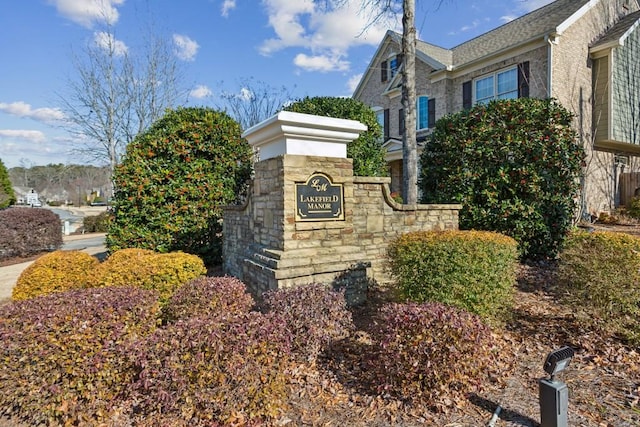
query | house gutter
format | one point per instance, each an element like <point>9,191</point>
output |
<point>551,40</point>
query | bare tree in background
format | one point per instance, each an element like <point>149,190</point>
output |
<point>254,101</point>
<point>117,93</point>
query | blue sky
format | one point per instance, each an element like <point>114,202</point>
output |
<point>312,51</point>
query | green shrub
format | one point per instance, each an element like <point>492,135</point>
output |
<point>174,180</point>
<point>64,357</point>
<point>599,277</point>
<point>366,151</point>
<point>209,297</point>
<point>514,165</point>
<point>633,208</point>
<point>7,195</point>
<point>204,370</point>
<point>145,269</point>
<point>431,353</point>
<point>28,231</point>
<point>472,270</point>
<point>314,314</point>
<point>97,223</point>
<point>58,271</point>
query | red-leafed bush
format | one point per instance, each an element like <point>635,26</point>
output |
<point>28,231</point>
<point>209,297</point>
<point>63,355</point>
<point>214,369</point>
<point>430,353</point>
<point>314,314</point>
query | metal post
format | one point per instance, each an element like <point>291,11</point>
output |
<point>554,403</point>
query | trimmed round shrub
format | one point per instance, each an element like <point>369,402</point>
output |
<point>366,151</point>
<point>314,314</point>
<point>64,357</point>
<point>209,297</point>
<point>431,353</point>
<point>129,254</point>
<point>472,270</point>
<point>58,271</point>
<point>214,369</point>
<point>515,167</point>
<point>599,277</point>
<point>173,181</point>
<point>148,270</point>
<point>28,231</point>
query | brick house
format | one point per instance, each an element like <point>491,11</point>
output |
<point>584,53</point>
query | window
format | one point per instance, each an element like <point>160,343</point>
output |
<point>500,85</point>
<point>422,112</point>
<point>394,64</point>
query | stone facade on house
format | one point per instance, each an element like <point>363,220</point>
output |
<point>267,246</point>
<point>552,51</point>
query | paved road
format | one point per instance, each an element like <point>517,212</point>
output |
<point>93,244</point>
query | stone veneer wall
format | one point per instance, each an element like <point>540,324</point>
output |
<point>267,249</point>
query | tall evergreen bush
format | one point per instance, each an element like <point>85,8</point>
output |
<point>174,180</point>
<point>366,150</point>
<point>514,165</point>
<point>7,195</point>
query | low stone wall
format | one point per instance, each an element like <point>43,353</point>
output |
<point>266,248</point>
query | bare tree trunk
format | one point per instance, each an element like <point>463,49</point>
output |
<point>409,143</point>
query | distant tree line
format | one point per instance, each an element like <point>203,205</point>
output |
<point>63,183</point>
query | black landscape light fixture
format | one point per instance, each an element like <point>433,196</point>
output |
<point>554,394</point>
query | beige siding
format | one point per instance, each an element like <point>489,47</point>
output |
<point>601,98</point>
<point>572,86</point>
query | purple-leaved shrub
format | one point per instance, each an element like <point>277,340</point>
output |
<point>430,353</point>
<point>209,297</point>
<point>64,358</point>
<point>208,370</point>
<point>315,315</point>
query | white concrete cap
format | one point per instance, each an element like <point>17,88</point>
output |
<point>303,134</point>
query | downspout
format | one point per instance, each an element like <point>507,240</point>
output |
<point>551,39</point>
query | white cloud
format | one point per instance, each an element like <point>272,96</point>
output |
<point>507,18</point>
<point>227,6</point>
<point>200,92</point>
<point>186,49</point>
<point>88,12</point>
<point>22,109</point>
<point>24,135</point>
<point>320,63</point>
<point>107,42</point>
<point>353,81</point>
<point>326,34</point>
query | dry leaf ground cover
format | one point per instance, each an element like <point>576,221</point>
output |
<point>603,378</point>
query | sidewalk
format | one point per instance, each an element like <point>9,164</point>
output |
<point>9,274</point>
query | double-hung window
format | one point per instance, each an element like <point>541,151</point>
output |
<point>500,85</point>
<point>422,112</point>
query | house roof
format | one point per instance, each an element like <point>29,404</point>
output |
<point>618,33</point>
<point>548,19</point>
<point>552,19</point>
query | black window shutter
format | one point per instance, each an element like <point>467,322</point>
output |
<point>399,59</point>
<point>383,71</point>
<point>467,100</point>
<point>401,121</point>
<point>386,124</point>
<point>523,80</point>
<point>432,112</point>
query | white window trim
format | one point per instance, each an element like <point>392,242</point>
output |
<point>495,81</point>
